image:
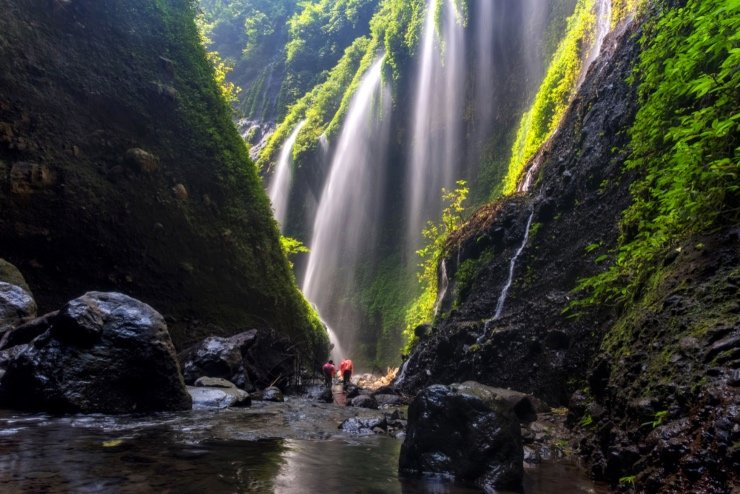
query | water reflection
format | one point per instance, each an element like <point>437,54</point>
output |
<point>287,448</point>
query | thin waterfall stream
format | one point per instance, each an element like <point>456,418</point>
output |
<point>279,190</point>
<point>505,290</point>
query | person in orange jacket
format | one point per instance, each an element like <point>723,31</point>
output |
<point>345,370</point>
<point>328,371</point>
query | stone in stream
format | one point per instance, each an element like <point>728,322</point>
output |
<point>213,382</point>
<point>464,432</point>
<point>16,306</point>
<point>364,425</point>
<point>273,393</point>
<point>326,396</point>
<point>251,359</point>
<point>218,397</point>
<point>104,352</point>
<point>364,401</point>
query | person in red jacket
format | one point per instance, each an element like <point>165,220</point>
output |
<point>328,371</point>
<point>345,369</point>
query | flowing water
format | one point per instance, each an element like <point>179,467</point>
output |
<point>279,191</point>
<point>285,448</point>
<point>437,118</point>
<point>346,219</point>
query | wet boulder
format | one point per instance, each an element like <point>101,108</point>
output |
<point>104,352</point>
<point>460,432</point>
<point>251,359</point>
<point>364,425</point>
<point>326,396</point>
<point>16,306</point>
<point>364,401</point>
<point>205,397</point>
<point>214,357</point>
<point>272,393</point>
<point>213,382</point>
<point>11,274</point>
<point>26,332</point>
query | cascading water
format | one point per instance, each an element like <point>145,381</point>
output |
<point>279,190</point>
<point>347,216</point>
<point>505,290</point>
<point>602,27</point>
<point>512,265</point>
<point>438,117</point>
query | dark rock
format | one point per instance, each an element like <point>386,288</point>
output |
<point>16,306</point>
<point>213,357</point>
<point>9,354</point>
<point>130,367</point>
<point>142,161</point>
<point>213,382</point>
<point>10,274</point>
<point>389,400</point>
<point>599,377</point>
<point>364,401</point>
<point>273,394</point>
<point>27,331</point>
<point>458,432</point>
<point>28,178</point>
<point>363,425</point>
<point>352,391</point>
<point>218,397</point>
<point>557,340</point>
<point>326,396</point>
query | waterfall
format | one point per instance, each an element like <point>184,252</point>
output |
<point>279,191</point>
<point>442,289</point>
<point>437,117</point>
<point>512,264</point>
<point>602,27</point>
<point>347,215</point>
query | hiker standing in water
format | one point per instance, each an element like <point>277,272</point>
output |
<point>345,369</point>
<point>328,371</point>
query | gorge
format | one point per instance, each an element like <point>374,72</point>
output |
<point>520,217</point>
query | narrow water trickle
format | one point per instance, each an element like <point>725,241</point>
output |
<point>279,191</point>
<point>347,216</point>
<point>505,290</point>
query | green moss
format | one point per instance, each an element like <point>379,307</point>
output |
<point>554,95</point>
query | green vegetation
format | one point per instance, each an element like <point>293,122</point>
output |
<point>684,142</point>
<point>421,311</point>
<point>394,32</point>
<point>245,224</point>
<point>554,95</point>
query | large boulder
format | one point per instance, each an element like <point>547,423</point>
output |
<point>11,274</point>
<point>460,432</point>
<point>253,359</point>
<point>104,352</point>
<point>16,306</point>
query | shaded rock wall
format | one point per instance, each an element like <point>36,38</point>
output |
<point>120,169</point>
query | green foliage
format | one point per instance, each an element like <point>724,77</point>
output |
<point>421,310</point>
<point>291,247</point>
<point>628,481</point>
<point>554,95</point>
<point>243,228</point>
<point>394,32</point>
<point>684,142</point>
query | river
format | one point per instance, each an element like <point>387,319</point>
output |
<point>292,447</point>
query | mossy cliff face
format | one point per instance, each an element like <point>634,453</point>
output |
<point>650,372</point>
<point>120,169</point>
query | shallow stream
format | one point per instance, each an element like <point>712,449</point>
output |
<point>291,447</point>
